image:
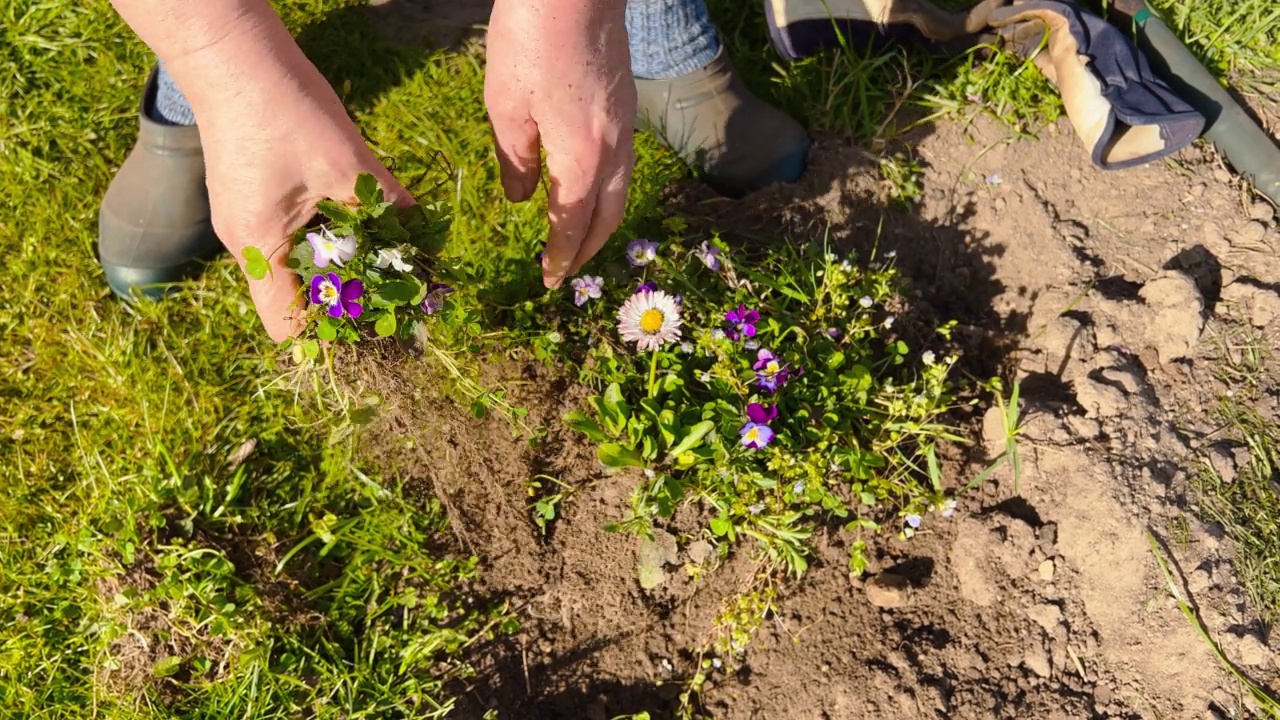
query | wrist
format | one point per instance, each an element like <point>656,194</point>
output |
<point>220,51</point>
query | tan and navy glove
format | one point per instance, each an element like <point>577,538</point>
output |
<point>1123,113</point>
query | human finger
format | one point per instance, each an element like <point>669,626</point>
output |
<point>611,205</point>
<point>571,203</point>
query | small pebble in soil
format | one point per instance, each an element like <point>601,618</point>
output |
<point>1046,570</point>
<point>1250,235</point>
<point>1250,651</point>
<point>1037,659</point>
<point>1199,581</point>
<point>1046,615</point>
<point>1262,211</point>
<point>887,590</point>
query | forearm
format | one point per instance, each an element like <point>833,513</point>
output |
<point>218,49</point>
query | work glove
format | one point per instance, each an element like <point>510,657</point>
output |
<point>1123,113</point>
<point>800,28</point>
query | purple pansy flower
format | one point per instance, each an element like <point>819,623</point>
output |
<point>642,252</point>
<point>649,286</point>
<point>586,288</point>
<point>709,255</point>
<point>756,433</point>
<point>328,289</point>
<point>742,323</point>
<point>833,333</point>
<point>914,521</point>
<point>436,294</point>
<point>330,248</point>
<point>771,372</point>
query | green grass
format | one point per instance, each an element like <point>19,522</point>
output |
<point>147,570</point>
<point>1237,39</point>
<point>1248,505</point>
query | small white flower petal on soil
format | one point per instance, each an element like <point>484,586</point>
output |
<point>650,320</point>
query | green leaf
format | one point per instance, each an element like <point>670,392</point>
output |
<point>255,263</point>
<point>386,324</point>
<point>858,562</point>
<point>166,667</point>
<point>935,473</point>
<point>397,293</point>
<point>311,349</point>
<point>612,421</point>
<point>326,330</point>
<point>390,229</point>
<point>613,400</point>
<point>692,438</point>
<point>302,260</point>
<point>337,212</point>
<point>578,420</point>
<point>835,360</point>
<point>721,526</point>
<point>367,190</point>
<point>860,377</point>
<point>616,456</point>
<point>667,426</point>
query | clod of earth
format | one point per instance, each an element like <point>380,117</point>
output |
<point>1177,318</point>
<point>888,590</point>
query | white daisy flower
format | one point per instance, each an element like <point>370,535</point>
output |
<point>650,320</point>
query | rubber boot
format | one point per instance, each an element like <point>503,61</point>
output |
<point>710,118</point>
<point>154,224</point>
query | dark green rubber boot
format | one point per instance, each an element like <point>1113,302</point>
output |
<point>710,118</point>
<point>153,226</point>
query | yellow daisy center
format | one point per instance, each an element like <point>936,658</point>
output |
<point>651,321</point>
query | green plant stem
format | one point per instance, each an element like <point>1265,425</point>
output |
<point>653,372</point>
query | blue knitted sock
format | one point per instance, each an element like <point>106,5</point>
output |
<point>670,38</point>
<point>169,106</point>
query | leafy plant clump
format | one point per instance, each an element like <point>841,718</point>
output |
<point>780,397</point>
<point>372,268</point>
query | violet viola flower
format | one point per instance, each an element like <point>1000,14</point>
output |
<point>756,433</point>
<point>771,372</point>
<point>328,289</point>
<point>586,288</point>
<point>709,255</point>
<point>436,294</point>
<point>742,323</point>
<point>330,248</point>
<point>649,286</point>
<point>642,252</point>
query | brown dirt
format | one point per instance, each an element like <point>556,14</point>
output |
<point>1037,601</point>
<point>1113,297</point>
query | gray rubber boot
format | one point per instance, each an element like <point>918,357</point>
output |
<point>715,124</point>
<point>154,226</point>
